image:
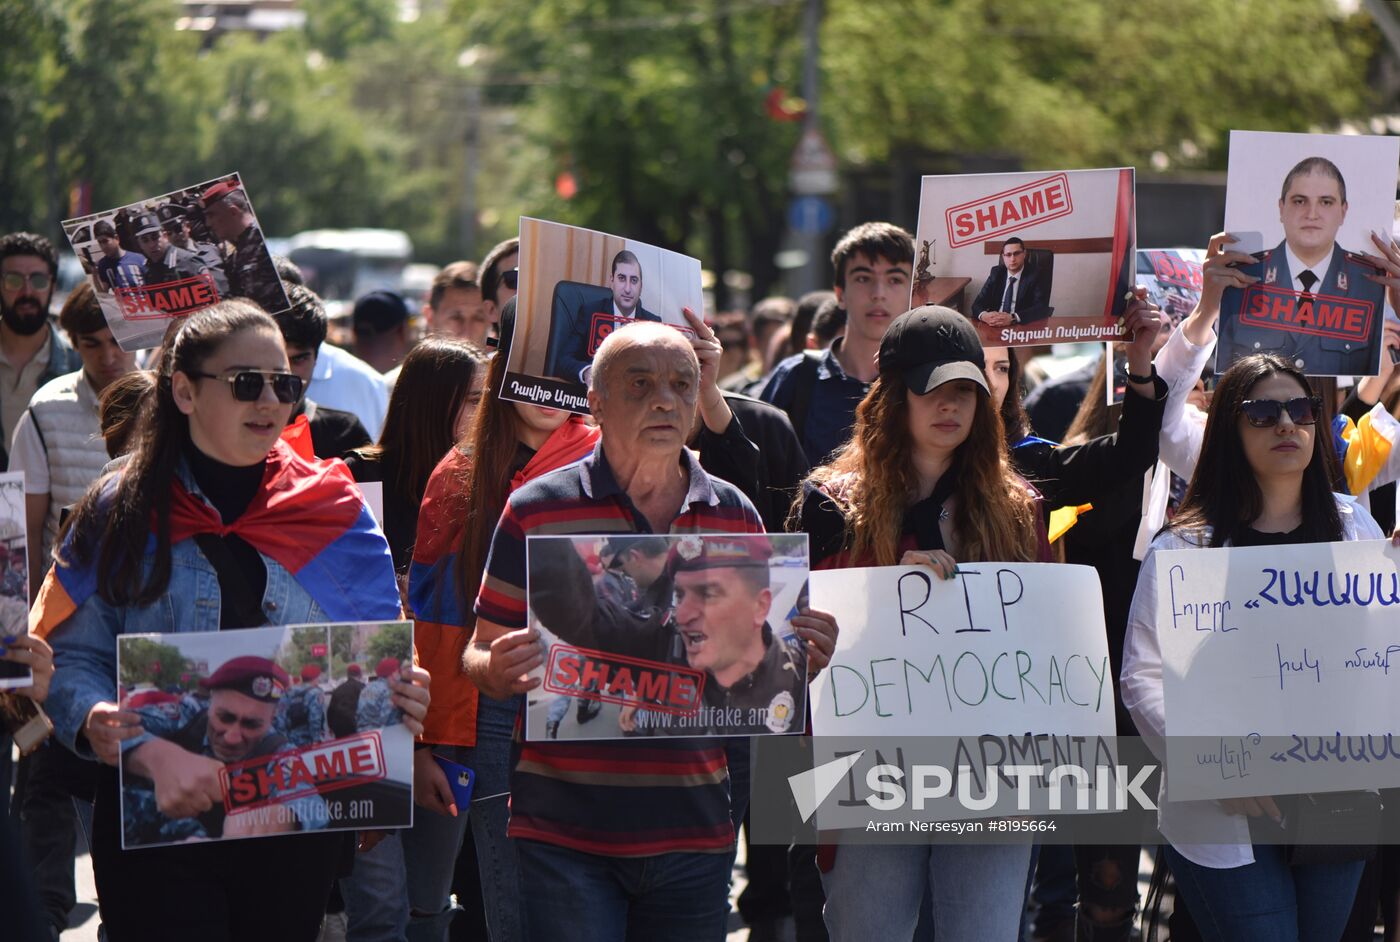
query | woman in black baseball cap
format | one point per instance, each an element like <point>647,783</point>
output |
<point>926,480</point>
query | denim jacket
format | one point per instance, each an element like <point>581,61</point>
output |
<point>85,644</point>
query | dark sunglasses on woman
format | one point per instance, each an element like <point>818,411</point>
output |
<point>510,278</point>
<point>248,384</point>
<point>1264,413</point>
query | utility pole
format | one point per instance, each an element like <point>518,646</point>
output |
<point>471,159</point>
<point>813,175</point>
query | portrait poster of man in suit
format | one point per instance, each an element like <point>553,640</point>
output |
<point>1314,298</point>
<point>1012,293</point>
<point>576,287</point>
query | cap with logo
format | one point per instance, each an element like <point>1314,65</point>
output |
<point>693,553</point>
<point>252,676</point>
<point>145,224</point>
<point>218,191</point>
<point>930,346</point>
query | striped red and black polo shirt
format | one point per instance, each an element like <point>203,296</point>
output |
<point>619,799</point>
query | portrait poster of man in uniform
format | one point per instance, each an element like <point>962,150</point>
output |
<point>14,574</point>
<point>667,635</point>
<point>170,255</point>
<point>1304,207</point>
<point>576,287</point>
<point>234,741</point>
<point>1031,258</point>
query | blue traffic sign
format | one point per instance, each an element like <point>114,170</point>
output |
<point>810,215</point>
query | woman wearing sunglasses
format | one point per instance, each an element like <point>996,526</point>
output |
<point>1263,479</point>
<point>214,523</point>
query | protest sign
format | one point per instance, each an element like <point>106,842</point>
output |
<point>165,257</point>
<point>1031,258</point>
<point>1278,659</point>
<point>1305,205</point>
<point>280,729</point>
<point>1172,278</point>
<point>667,635</point>
<point>14,573</point>
<point>1001,648</point>
<point>576,287</point>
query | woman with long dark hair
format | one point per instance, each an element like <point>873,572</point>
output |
<point>431,408</point>
<point>213,524</point>
<point>1263,478</point>
<point>509,443</point>
<point>926,479</point>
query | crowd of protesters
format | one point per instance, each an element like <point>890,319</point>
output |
<point>889,437</point>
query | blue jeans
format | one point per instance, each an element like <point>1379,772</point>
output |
<point>589,898</point>
<point>430,847</point>
<point>977,891</point>
<point>376,893</point>
<point>1267,901</point>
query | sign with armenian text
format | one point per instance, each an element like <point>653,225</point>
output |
<point>264,731</point>
<point>1030,258</point>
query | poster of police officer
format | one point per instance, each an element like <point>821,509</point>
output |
<point>14,574</point>
<point>162,258</point>
<point>1305,211</point>
<point>576,286</point>
<point>264,731</point>
<point>1040,257</point>
<point>667,635</point>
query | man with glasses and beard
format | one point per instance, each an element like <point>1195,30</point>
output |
<point>32,351</point>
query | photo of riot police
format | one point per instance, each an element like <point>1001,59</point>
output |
<point>14,574</point>
<point>170,255</point>
<point>667,635</point>
<point>1311,293</point>
<point>236,741</point>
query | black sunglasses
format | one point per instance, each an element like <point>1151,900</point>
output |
<point>248,384</point>
<point>1264,413</point>
<point>510,278</point>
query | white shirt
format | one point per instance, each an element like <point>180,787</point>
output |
<point>343,381</point>
<point>1296,268</point>
<point>1188,825</point>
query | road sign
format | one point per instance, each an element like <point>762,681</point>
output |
<point>813,170</point>
<point>810,215</point>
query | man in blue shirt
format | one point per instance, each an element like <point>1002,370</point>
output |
<point>819,392</point>
<point>117,268</point>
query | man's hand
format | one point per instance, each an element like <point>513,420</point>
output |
<point>1262,807</point>
<point>818,629</point>
<point>996,318</point>
<point>627,718</point>
<point>107,727</point>
<point>1218,272</point>
<point>33,652</point>
<point>186,784</point>
<point>430,786</point>
<point>512,657</point>
<point>411,696</point>
<point>714,411</point>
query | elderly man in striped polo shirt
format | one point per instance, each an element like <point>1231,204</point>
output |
<point>621,839</point>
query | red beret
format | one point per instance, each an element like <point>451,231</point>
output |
<point>310,672</point>
<point>218,191</point>
<point>256,677</point>
<point>353,670</point>
<point>691,553</point>
<point>387,667</point>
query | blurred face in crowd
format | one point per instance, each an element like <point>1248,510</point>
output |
<point>998,373</point>
<point>1311,212</point>
<point>645,401</point>
<point>110,245</point>
<point>626,284</point>
<point>504,292</point>
<point>720,617</point>
<point>462,314</point>
<point>1285,449</point>
<point>469,406</point>
<point>153,245</point>
<point>237,723</point>
<point>178,233</point>
<point>643,569</point>
<point>939,421</point>
<point>302,361</point>
<point>876,292</point>
<point>24,304</point>
<point>103,360</point>
<point>1013,256</point>
<point>224,428</point>
<point>225,220</point>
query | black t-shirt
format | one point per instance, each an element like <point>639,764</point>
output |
<point>241,573</point>
<point>1248,536</point>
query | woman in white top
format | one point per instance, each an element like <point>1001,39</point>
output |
<point>1262,478</point>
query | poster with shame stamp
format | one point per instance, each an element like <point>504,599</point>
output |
<point>264,731</point>
<point>1030,258</point>
<point>156,260</point>
<point>576,287</point>
<point>1305,207</point>
<point>1172,278</point>
<point>650,635</point>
